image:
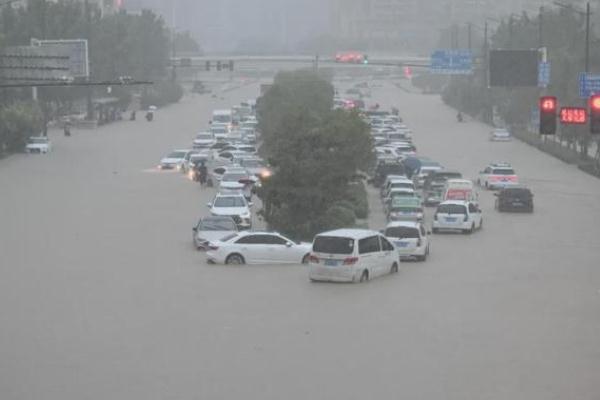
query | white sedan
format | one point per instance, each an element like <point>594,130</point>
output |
<point>38,145</point>
<point>257,248</point>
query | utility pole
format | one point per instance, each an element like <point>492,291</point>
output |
<point>587,37</point>
<point>88,27</point>
<point>469,28</point>
<point>541,28</point>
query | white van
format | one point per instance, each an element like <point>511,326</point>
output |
<point>351,255</point>
<point>460,189</point>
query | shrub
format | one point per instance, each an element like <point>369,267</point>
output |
<point>358,198</point>
<point>161,94</point>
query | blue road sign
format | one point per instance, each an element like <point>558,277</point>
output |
<point>544,74</point>
<point>588,85</point>
<point>452,62</point>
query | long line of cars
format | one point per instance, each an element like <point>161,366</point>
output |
<point>408,184</point>
<point>400,173</point>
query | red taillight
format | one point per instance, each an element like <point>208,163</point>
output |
<point>350,260</point>
<point>313,259</point>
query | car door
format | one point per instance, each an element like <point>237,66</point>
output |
<point>474,215</point>
<point>370,255</point>
<point>276,249</point>
<point>389,254</point>
<point>249,247</point>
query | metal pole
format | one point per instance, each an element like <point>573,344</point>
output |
<point>88,93</point>
<point>587,37</point>
<point>469,35</point>
<point>541,28</point>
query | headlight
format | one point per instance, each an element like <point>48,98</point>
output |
<point>245,216</point>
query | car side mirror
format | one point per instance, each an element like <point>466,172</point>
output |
<point>289,244</point>
<point>250,204</point>
<point>382,231</point>
<point>209,205</point>
<point>195,229</point>
<point>429,232</point>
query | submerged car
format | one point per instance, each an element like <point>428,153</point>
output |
<point>464,216</point>
<point>410,238</point>
<point>257,248</point>
<point>212,228</point>
<point>500,135</point>
<point>38,145</point>
<point>518,198</point>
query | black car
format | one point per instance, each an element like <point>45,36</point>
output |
<point>516,198</point>
<point>386,168</point>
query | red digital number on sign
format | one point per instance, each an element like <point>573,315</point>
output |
<point>573,115</point>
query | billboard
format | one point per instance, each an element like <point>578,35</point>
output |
<point>514,68</point>
<point>76,49</point>
<point>26,63</point>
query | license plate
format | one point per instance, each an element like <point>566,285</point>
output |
<point>401,244</point>
<point>331,263</point>
<point>450,219</point>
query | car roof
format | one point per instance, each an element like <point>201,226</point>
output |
<point>408,224</point>
<point>456,180</point>
<point>455,202</point>
<point>350,233</point>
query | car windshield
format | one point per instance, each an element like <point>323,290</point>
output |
<point>219,130</point>
<point>234,177</point>
<point>407,209</point>
<point>230,201</point>
<point>224,118</point>
<point>204,136</point>
<point>402,232</point>
<point>517,192</point>
<point>210,224</point>
<point>252,164</point>
<point>333,245</point>
<point>452,209</point>
<point>177,154</point>
<point>503,171</point>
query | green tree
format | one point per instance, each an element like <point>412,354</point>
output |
<point>18,121</point>
<point>316,153</point>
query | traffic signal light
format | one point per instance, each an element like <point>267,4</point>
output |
<point>218,65</point>
<point>231,65</point>
<point>548,106</point>
<point>208,65</point>
<point>595,114</point>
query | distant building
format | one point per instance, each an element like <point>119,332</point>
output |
<point>415,23</point>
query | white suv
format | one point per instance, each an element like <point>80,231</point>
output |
<point>233,205</point>
<point>410,238</point>
<point>39,145</point>
<point>459,215</point>
<point>351,255</point>
<point>498,176</point>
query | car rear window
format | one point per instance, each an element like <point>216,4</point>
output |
<point>503,171</point>
<point>403,232</point>
<point>452,209</point>
<point>333,245</point>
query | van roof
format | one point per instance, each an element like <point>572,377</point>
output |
<point>350,233</point>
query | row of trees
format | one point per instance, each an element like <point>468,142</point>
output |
<point>563,34</point>
<point>119,44</point>
<point>316,153</point>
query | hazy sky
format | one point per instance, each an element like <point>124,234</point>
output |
<point>220,25</point>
